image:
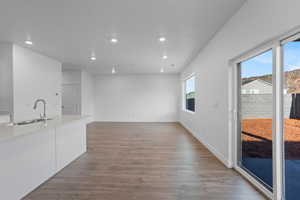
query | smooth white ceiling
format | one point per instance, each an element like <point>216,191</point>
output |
<point>70,30</point>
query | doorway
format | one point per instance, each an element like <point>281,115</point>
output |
<point>71,100</point>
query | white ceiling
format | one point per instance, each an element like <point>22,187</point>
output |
<point>70,30</point>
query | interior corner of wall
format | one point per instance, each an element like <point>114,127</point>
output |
<point>212,149</point>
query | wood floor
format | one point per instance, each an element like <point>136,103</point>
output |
<point>145,161</point>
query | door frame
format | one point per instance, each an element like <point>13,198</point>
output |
<point>277,123</point>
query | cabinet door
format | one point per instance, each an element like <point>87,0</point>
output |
<point>70,143</point>
<point>26,162</point>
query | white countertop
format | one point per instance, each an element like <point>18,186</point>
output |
<point>11,132</point>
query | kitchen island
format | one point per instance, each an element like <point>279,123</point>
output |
<point>31,154</point>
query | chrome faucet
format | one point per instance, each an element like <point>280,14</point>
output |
<point>43,116</point>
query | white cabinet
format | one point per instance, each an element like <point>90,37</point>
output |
<point>29,160</point>
<point>25,163</point>
<point>70,142</point>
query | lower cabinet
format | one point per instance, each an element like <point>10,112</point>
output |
<point>26,162</point>
<point>70,143</point>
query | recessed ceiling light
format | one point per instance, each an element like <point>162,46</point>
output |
<point>93,58</point>
<point>113,71</point>
<point>162,70</point>
<point>165,57</point>
<point>162,39</point>
<point>28,42</point>
<point>114,40</point>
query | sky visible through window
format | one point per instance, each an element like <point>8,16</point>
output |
<point>291,56</point>
<point>257,66</point>
<point>190,85</point>
<point>260,65</point>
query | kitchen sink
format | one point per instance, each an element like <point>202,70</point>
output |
<point>30,121</point>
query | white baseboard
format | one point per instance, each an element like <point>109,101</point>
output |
<point>216,153</point>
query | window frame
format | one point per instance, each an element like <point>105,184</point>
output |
<point>192,75</point>
<point>268,191</point>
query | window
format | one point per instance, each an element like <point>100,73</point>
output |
<point>189,94</point>
<point>255,113</point>
<point>291,117</point>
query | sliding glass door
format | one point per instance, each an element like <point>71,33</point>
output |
<point>291,104</point>
<point>255,114</point>
<point>268,125</point>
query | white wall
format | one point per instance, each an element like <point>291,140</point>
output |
<point>6,94</point>
<point>256,22</point>
<point>87,94</point>
<point>35,76</point>
<point>71,76</point>
<point>143,98</point>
